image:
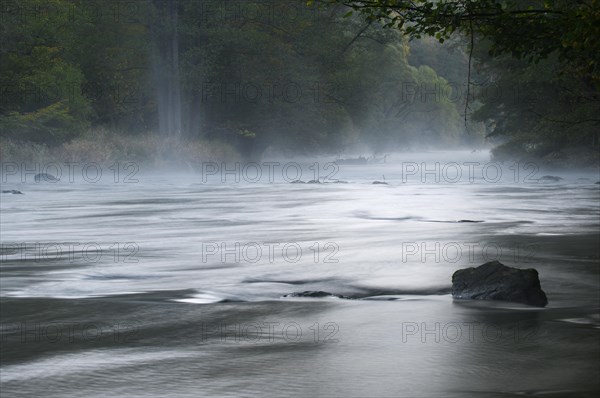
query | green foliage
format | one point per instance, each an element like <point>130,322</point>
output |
<point>541,56</point>
<point>539,113</point>
<point>293,77</point>
<point>41,99</point>
<point>319,81</point>
<point>529,30</point>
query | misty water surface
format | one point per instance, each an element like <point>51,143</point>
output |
<point>176,284</point>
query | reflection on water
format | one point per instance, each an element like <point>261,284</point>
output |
<point>175,284</point>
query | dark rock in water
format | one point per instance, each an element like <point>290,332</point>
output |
<point>13,191</point>
<point>338,182</point>
<point>310,293</point>
<point>45,177</point>
<point>495,281</point>
<point>469,221</point>
<point>297,182</point>
<point>550,179</point>
<point>598,183</point>
<point>352,161</point>
<point>379,183</point>
<point>314,182</point>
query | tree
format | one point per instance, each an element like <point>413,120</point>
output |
<point>530,30</point>
<point>41,99</point>
<point>537,113</point>
<point>542,55</point>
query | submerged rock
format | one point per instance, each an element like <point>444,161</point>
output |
<point>352,161</point>
<point>380,183</point>
<point>495,281</point>
<point>46,177</point>
<point>318,182</point>
<point>550,179</point>
<point>475,221</point>
<point>13,191</point>
<point>311,293</point>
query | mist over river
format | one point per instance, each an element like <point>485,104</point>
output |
<point>145,283</point>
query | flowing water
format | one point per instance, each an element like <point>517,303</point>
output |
<point>152,284</point>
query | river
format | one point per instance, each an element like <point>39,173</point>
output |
<point>121,281</point>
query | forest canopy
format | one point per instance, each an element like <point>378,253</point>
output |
<point>542,56</point>
<point>300,77</point>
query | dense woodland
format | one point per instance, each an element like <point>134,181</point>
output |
<point>198,78</point>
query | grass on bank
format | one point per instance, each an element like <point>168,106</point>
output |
<point>105,147</point>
